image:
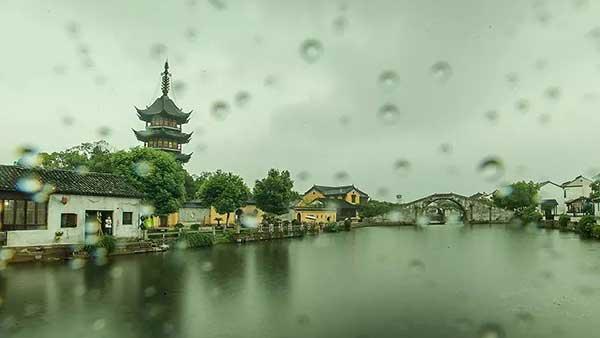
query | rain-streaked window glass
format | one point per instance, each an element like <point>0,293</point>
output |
<point>287,168</point>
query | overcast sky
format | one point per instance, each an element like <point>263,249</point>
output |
<point>522,85</point>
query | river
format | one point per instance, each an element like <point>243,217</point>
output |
<point>441,281</point>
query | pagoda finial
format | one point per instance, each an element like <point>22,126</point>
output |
<point>166,78</point>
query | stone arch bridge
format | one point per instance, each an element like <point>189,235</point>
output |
<point>474,210</point>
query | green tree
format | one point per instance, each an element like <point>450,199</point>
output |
<point>595,189</point>
<point>155,173</point>
<point>520,196</point>
<point>375,208</point>
<point>226,192</point>
<point>92,156</point>
<point>273,194</point>
<point>193,183</point>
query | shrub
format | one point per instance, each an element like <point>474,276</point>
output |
<point>179,226</point>
<point>196,239</point>
<point>195,226</point>
<point>347,224</point>
<point>563,221</point>
<point>331,227</point>
<point>596,231</point>
<point>295,222</point>
<point>108,243</point>
<point>586,225</point>
<point>529,215</point>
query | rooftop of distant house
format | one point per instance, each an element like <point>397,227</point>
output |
<point>337,190</point>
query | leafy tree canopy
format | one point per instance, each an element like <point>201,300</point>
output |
<point>517,196</point>
<point>273,194</point>
<point>226,192</point>
<point>595,189</point>
<point>86,156</point>
<point>376,208</point>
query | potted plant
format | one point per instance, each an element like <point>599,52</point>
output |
<point>58,235</point>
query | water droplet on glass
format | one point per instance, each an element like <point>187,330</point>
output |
<point>491,330</point>
<point>512,78</point>
<point>416,265</point>
<point>388,79</point>
<point>179,87</point>
<point>104,131</point>
<point>142,168</point>
<point>201,147</point>
<point>446,148</point>
<point>545,118</point>
<point>523,105</point>
<point>242,98</point>
<point>525,316</point>
<point>341,175</point>
<point>100,80</point>
<point>73,29</point>
<point>158,50</point>
<point>220,110</point>
<point>491,168</point>
<point>491,115</point>
<point>207,267</point>
<point>29,157</point>
<point>149,291</point>
<point>383,192</point>
<point>541,64</point>
<point>191,34</point>
<point>68,120</point>
<point>339,24</point>
<point>402,166</point>
<point>552,93</point>
<point>388,114</point>
<point>218,4</point>
<point>29,184</point>
<point>303,319</point>
<point>147,210</point>
<point>99,324</point>
<point>303,175</point>
<point>77,263</point>
<point>59,69</point>
<point>311,50</point>
<point>441,71</point>
<point>345,120</point>
<point>270,80</point>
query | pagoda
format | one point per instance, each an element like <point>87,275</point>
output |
<point>163,123</point>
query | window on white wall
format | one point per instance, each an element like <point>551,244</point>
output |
<point>68,220</point>
<point>127,218</point>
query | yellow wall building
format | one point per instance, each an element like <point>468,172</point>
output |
<point>321,201</point>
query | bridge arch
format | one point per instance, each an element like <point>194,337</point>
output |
<point>460,206</point>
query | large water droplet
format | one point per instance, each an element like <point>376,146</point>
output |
<point>158,50</point>
<point>388,114</point>
<point>303,175</point>
<point>553,93</point>
<point>142,168</point>
<point>220,110</point>
<point>491,115</point>
<point>218,4</point>
<point>491,330</point>
<point>491,168</point>
<point>242,98</point>
<point>446,148</point>
<point>179,87</point>
<point>104,131</point>
<point>523,105</point>
<point>339,24</point>
<point>28,157</point>
<point>341,175</point>
<point>441,71</point>
<point>388,79</point>
<point>402,166</point>
<point>29,184</point>
<point>311,50</point>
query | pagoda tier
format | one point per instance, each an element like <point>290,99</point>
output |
<point>163,123</point>
<point>165,107</point>
<point>162,133</point>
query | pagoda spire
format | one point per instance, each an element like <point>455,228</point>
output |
<point>166,79</point>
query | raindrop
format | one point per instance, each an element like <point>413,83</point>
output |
<point>147,210</point>
<point>59,69</point>
<point>242,98</point>
<point>73,28</point>
<point>441,71</point>
<point>83,49</point>
<point>218,4</point>
<point>82,170</point>
<point>491,168</point>
<point>207,267</point>
<point>311,50</point>
<point>68,120</point>
<point>142,168</point>
<point>504,191</point>
<point>388,79</point>
<point>345,120</point>
<point>191,34</point>
<point>29,184</point>
<point>491,115</point>
<point>580,4</point>
<point>100,80</point>
<point>104,131</point>
<point>201,147</point>
<point>383,192</point>
<point>541,64</point>
<point>28,157</point>
<point>423,220</point>
<point>116,272</point>
<point>43,195</point>
<point>341,175</point>
<point>446,148</point>
<point>270,80</point>
<point>303,175</point>
<point>99,324</point>
<point>179,87</point>
<point>416,264</point>
<point>158,50</point>
<point>220,110</point>
<point>339,24</point>
<point>512,78</point>
<point>552,93</point>
<point>523,105</point>
<point>402,166</point>
<point>388,114</point>
<point>77,263</point>
<point>491,330</point>
<point>149,291</point>
<point>545,118</point>
<point>525,316</point>
<point>303,319</point>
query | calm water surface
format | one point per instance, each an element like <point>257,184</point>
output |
<point>377,282</point>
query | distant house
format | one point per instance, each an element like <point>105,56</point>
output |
<point>579,206</point>
<point>580,186</point>
<point>320,200</point>
<point>38,204</point>
<point>193,212</point>
<point>482,195</point>
<point>551,200</point>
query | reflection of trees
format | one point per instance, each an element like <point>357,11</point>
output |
<point>227,268</point>
<point>273,261</point>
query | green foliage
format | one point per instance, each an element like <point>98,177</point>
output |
<point>347,225</point>
<point>274,194</point>
<point>195,226</point>
<point>331,227</point>
<point>193,183</point>
<point>155,173</point>
<point>563,220</point>
<point>595,189</point>
<point>86,156</point>
<point>108,243</point>
<point>179,226</point>
<point>195,239</point>
<point>521,196</point>
<point>375,208</point>
<point>596,231</point>
<point>226,192</point>
<point>586,225</point>
<point>529,215</point>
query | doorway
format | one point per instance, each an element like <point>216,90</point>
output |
<point>96,222</point>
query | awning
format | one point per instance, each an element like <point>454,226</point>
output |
<point>548,204</point>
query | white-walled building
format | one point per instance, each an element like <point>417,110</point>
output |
<point>552,200</point>
<point>580,186</point>
<point>36,205</point>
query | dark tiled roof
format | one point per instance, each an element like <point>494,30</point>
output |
<point>163,105</point>
<point>152,132</point>
<point>339,190</point>
<point>337,203</point>
<point>69,182</point>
